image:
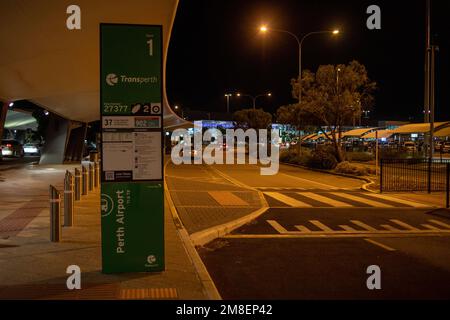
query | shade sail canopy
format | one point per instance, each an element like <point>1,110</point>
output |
<point>356,132</point>
<point>44,62</point>
<point>419,127</point>
<point>444,132</point>
<point>385,133</point>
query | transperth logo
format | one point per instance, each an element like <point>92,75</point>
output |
<point>112,79</point>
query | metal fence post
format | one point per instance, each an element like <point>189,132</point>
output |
<point>447,186</point>
<point>68,199</point>
<point>91,177</point>
<point>429,175</point>
<point>77,184</point>
<point>381,175</point>
<point>55,211</point>
<point>84,182</point>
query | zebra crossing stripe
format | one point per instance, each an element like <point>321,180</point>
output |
<point>346,227</point>
<point>303,229</point>
<point>404,225</point>
<point>389,227</point>
<point>288,200</point>
<point>429,226</point>
<point>278,227</point>
<point>321,226</point>
<point>363,225</point>
<point>439,223</point>
<point>363,200</point>
<point>402,201</point>
<point>329,201</point>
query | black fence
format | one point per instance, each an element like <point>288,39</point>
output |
<point>414,175</point>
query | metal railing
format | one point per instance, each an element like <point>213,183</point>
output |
<point>414,174</point>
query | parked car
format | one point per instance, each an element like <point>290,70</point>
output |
<point>31,149</point>
<point>409,146</point>
<point>12,148</point>
<point>445,147</point>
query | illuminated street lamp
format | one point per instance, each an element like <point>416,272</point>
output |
<point>264,29</point>
<point>254,97</point>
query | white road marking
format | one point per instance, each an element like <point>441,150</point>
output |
<point>429,226</point>
<point>288,200</point>
<point>380,245</point>
<point>389,227</point>
<point>329,201</point>
<point>404,225</point>
<point>402,201</point>
<point>347,228</point>
<point>363,225</point>
<point>439,223</point>
<point>363,200</point>
<point>277,226</point>
<point>303,229</point>
<point>321,226</point>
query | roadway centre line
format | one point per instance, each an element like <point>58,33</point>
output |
<point>380,245</point>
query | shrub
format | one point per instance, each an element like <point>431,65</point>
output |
<point>321,158</point>
<point>349,168</point>
<point>359,156</point>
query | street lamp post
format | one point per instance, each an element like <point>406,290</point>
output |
<point>300,43</point>
<point>254,97</point>
<point>228,95</point>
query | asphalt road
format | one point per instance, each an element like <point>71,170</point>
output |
<point>319,236</point>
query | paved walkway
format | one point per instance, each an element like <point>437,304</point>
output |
<point>32,267</point>
<point>205,199</point>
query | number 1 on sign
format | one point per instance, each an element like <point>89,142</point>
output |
<point>150,47</point>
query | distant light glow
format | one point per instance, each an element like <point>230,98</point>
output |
<point>263,28</point>
<point>11,104</point>
<point>335,31</point>
<point>46,112</point>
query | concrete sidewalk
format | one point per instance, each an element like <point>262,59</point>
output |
<point>32,267</point>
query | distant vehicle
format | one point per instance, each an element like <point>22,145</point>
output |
<point>12,148</point>
<point>31,149</point>
<point>409,146</point>
<point>445,147</point>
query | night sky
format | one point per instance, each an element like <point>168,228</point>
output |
<point>216,48</point>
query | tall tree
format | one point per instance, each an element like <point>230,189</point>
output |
<point>252,118</point>
<point>334,97</point>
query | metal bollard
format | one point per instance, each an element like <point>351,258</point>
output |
<point>68,199</point>
<point>77,185</point>
<point>96,174</point>
<point>84,181</point>
<point>91,177</point>
<point>55,211</point>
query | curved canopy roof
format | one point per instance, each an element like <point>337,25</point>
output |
<point>44,62</point>
<point>419,127</point>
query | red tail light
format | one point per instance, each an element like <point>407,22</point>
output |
<point>8,145</point>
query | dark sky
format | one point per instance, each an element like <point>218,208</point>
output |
<point>216,48</point>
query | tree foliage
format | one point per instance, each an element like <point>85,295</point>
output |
<point>252,118</point>
<point>332,97</point>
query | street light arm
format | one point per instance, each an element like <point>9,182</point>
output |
<point>314,32</point>
<point>288,32</point>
